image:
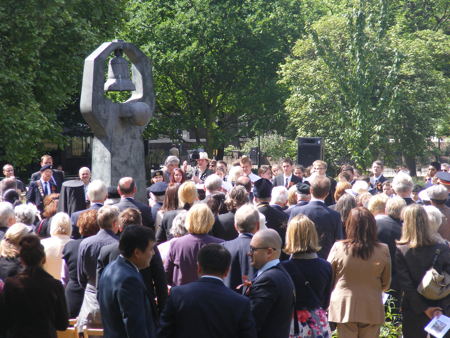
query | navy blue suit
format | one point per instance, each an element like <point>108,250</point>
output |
<point>240,261</point>
<point>124,302</point>
<point>206,308</point>
<point>272,300</point>
<point>328,224</point>
<point>145,210</point>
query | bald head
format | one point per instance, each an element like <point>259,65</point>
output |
<point>269,238</point>
<point>265,246</point>
<point>126,187</point>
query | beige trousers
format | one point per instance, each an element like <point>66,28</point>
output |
<point>358,330</point>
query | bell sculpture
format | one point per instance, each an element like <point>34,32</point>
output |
<point>118,147</point>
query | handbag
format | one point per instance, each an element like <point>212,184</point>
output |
<point>434,285</point>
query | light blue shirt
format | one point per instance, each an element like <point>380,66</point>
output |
<point>267,266</point>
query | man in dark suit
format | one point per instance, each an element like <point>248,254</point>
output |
<point>207,308</point>
<point>127,190</point>
<point>272,293</point>
<point>97,194</point>
<point>286,179</point>
<point>8,172</point>
<point>328,222</point>
<point>57,175</point>
<point>154,276</point>
<point>275,219</point>
<point>42,187</point>
<point>246,222</point>
<point>377,178</point>
<point>122,294</point>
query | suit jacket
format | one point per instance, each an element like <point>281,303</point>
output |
<point>58,178</point>
<point>34,194</point>
<point>328,224</point>
<point>275,219</point>
<point>181,262</point>
<point>240,261</point>
<point>389,230</point>
<point>358,285</point>
<point>224,227</point>
<point>279,180</point>
<point>38,299</point>
<point>124,302</point>
<point>74,292</point>
<point>163,232</point>
<point>412,263</point>
<point>145,210</point>
<point>272,300</point>
<point>74,217</point>
<point>154,276</point>
<point>205,309</point>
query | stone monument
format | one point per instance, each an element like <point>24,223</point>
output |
<point>118,147</point>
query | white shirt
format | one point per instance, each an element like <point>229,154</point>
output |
<point>253,177</point>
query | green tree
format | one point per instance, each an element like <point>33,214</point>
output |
<point>364,87</point>
<point>215,63</point>
<point>43,45</point>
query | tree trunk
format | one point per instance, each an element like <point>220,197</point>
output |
<point>410,162</point>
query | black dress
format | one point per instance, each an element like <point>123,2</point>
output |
<point>74,292</point>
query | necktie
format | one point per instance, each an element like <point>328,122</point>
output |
<point>47,190</point>
<point>287,181</point>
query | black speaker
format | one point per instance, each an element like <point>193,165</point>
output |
<point>309,150</point>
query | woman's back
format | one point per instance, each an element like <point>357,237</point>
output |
<point>317,272</point>
<point>35,305</point>
<point>358,284</point>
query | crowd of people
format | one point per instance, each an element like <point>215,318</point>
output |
<point>218,250</point>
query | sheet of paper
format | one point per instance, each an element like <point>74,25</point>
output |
<point>438,326</point>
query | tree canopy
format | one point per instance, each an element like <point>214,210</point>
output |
<point>44,44</point>
<point>369,88</point>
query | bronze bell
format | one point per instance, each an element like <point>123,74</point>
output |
<point>118,74</point>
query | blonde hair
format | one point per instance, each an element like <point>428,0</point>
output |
<point>394,206</point>
<point>377,204</point>
<point>301,236</point>
<point>187,193</point>
<point>9,246</point>
<point>199,219</point>
<point>60,225</point>
<point>292,195</point>
<point>415,229</point>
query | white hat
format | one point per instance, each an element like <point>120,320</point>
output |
<point>359,187</point>
<point>203,156</point>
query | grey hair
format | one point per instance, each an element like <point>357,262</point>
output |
<point>6,213</point>
<point>25,214</point>
<point>402,183</point>
<point>279,195</point>
<point>97,190</point>
<point>213,182</point>
<point>246,218</point>
<point>178,228</point>
<point>172,159</point>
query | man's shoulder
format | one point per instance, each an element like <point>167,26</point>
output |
<point>239,241</point>
<point>276,275</point>
<point>109,249</point>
